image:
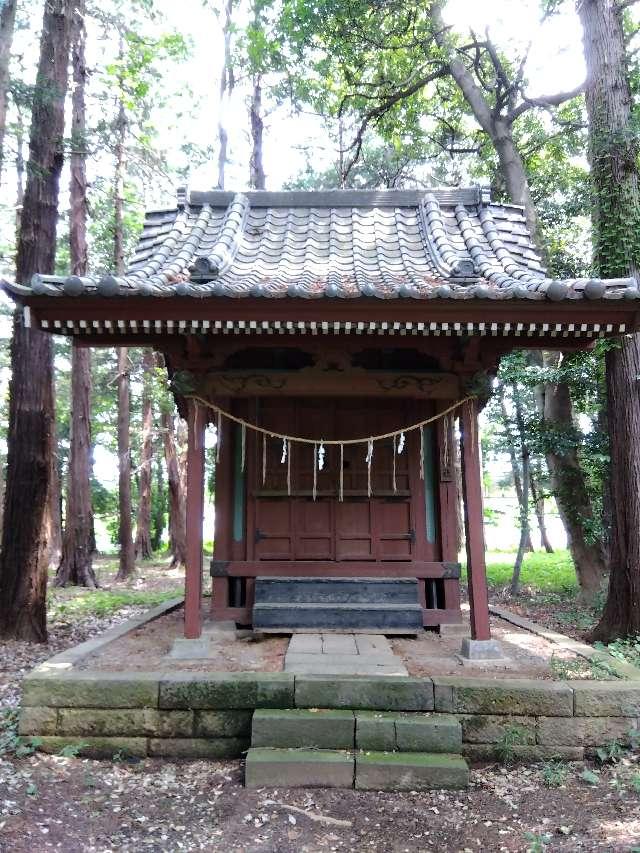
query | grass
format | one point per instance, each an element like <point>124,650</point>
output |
<point>104,602</point>
<point>541,572</point>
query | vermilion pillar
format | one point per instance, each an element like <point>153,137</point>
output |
<point>474,522</point>
<point>195,511</point>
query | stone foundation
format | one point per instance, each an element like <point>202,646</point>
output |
<point>208,715</point>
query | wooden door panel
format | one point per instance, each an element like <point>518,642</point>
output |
<point>313,529</point>
<point>394,529</point>
<point>273,536</point>
<point>354,539</point>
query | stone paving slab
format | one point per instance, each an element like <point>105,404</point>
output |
<point>369,644</point>
<point>305,644</point>
<point>304,664</point>
<point>342,654</point>
<point>339,644</point>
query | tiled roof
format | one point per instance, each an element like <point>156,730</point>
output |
<point>442,244</point>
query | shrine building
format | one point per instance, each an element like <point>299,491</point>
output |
<point>340,341</point>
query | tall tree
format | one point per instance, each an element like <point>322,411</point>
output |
<point>613,156</point>
<point>126,566</point>
<point>23,564</point>
<point>7,28</point>
<point>142,546</point>
<point>177,492</point>
<point>227,82</point>
<point>76,564</point>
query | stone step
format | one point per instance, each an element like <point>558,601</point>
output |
<point>285,617</point>
<point>379,771</point>
<point>409,771</point>
<point>321,590</point>
<point>298,768</point>
<point>298,727</point>
<point>320,728</point>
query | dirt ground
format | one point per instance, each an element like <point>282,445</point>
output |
<point>528,655</point>
<point>148,647</point>
<point>71,804</point>
<point>55,803</point>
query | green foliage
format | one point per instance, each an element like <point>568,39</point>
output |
<point>11,744</point>
<point>590,777</point>
<point>72,750</point>
<point>573,669</point>
<point>627,650</point>
<point>541,572</point>
<point>103,602</point>
<point>538,842</point>
<point>512,737</point>
<point>555,773</point>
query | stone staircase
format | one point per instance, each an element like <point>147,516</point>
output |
<point>383,605</point>
<point>366,750</point>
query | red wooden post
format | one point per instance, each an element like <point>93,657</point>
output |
<point>473,522</point>
<point>195,511</point>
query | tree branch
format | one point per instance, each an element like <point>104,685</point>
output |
<point>544,101</point>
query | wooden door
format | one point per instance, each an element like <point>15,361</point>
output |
<point>360,527</point>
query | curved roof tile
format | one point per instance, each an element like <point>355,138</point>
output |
<point>438,244</point>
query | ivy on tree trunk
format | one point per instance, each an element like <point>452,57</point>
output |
<point>613,155</point>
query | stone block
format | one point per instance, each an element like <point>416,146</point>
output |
<point>584,731</point>
<point>185,649</point>
<point>527,754</point>
<point>376,730</point>
<point>37,721</point>
<point>606,699</point>
<point>227,690</point>
<point>223,723</point>
<point>92,690</point>
<point>481,650</point>
<point>428,733</point>
<point>299,728</point>
<point>125,722</point>
<point>298,768</point>
<point>222,747</point>
<point>491,728</point>
<point>384,693</point>
<point>409,771</point>
<point>517,696</point>
<point>96,747</point>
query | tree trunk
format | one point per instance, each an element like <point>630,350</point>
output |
<point>524,503</point>
<point>256,166</point>
<point>569,486</point>
<point>613,155</point>
<point>126,566</point>
<point>20,169</point>
<point>535,480</point>
<point>142,546</point>
<point>227,83</point>
<point>159,506</point>
<point>23,565</point>
<point>513,458</point>
<point>7,27</point>
<point>127,556</point>
<point>53,515</point>
<point>177,499</point>
<point>76,565</point>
